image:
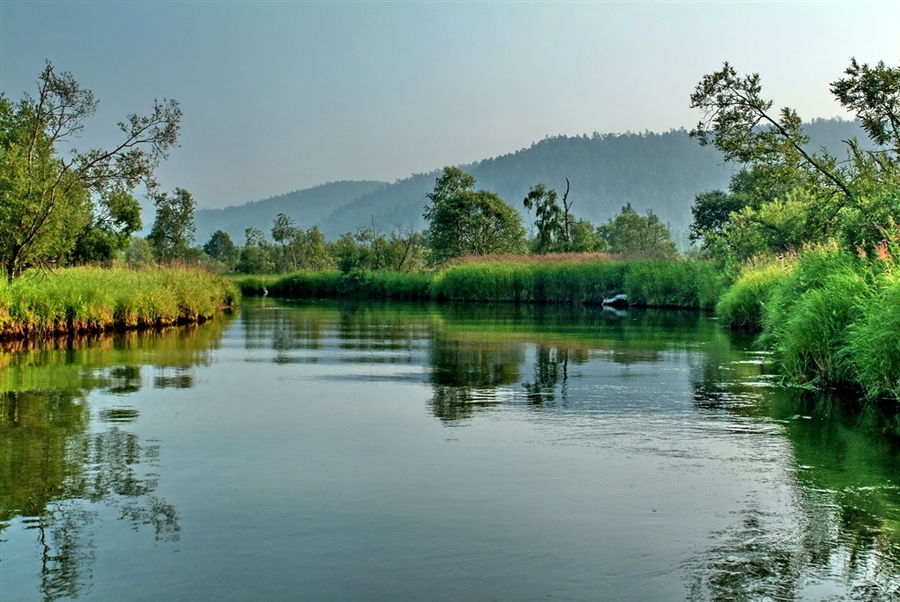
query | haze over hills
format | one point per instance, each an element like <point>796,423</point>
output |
<point>662,172</point>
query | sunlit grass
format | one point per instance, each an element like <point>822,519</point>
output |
<point>77,300</point>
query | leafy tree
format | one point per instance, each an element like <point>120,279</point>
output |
<point>286,233</point>
<point>586,238</point>
<point>139,252</point>
<point>79,207</point>
<point>630,232</point>
<point>554,223</point>
<point>551,228</point>
<point>256,255</point>
<point>852,200</point>
<point>173,229</point>
<point>221,248</point>
<point>464,221</point>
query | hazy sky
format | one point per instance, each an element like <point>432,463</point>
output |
<point>285,95</point>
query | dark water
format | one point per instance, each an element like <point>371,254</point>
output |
<point>394,452</point>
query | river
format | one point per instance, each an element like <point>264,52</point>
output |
<point>341,451</point>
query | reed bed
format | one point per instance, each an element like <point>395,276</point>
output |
<point>365,284</point>
<point>79,300</point>
<point>583,279</point>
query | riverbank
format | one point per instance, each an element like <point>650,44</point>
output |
<point>830,318</point>
<point>80,300</point>
<point>554,279</point>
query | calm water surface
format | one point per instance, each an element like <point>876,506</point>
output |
<point>395,452</point>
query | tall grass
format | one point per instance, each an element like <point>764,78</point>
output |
<point>380,284</point>
<point>77,300</point>
<point>590,279</point>
<point>741,305</point>
<point>830,318</point>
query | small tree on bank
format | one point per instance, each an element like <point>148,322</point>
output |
<point>630,232</point>
<point>464,221</point>
<point>173,230</point>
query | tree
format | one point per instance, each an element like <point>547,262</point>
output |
<point>551,229</point>
<point>852,200</point>
<point>173,229</point>
<point>221,248</point>
<point>51,203</point>
<point>629,232</point>
<point>464,221</point>
<point>256,255</point>
<point>554,223</point>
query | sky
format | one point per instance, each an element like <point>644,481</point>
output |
<point>285,95</point>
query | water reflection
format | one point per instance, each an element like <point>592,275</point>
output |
<point>58,470</point>
<point>846,543</point>
<point>67,460</point>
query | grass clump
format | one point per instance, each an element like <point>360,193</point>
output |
<point>741,305</point>
<point>75,300</point>
<point>581,279</point>
<point>872,351</point>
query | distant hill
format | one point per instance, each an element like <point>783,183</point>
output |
<point>307,207</point>
<point>662,172</point>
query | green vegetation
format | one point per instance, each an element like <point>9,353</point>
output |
<point>831,318</point>
<point>463,221</point>
<point>547,279</point>
<point>567,279</point>
<point>819,230</point>
<point>76,300</point>
<point>63,211</point>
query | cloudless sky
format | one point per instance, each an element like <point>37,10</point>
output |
<point>279,96</point>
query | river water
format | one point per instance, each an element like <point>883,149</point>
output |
<point>335,451</point>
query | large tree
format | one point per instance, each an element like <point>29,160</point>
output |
<point>852,199</point>
<point>80,206</point>
<point>464,221</point>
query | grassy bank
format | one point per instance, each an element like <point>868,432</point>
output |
<point>556,279</point>
<point>582,279</point>
<point>831,318</point>
<point>77,300</point>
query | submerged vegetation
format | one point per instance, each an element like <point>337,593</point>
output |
<point>77,300</point>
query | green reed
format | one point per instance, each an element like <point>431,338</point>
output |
<point>77,300</point>
<point>646,282</point>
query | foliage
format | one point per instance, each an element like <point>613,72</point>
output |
<point>173,230</point>
<point>631,233</point>
<point>298,249</point>
<point>78,208</point>
<point>551,222</point>
<point>586,238</point>
<point>89,299</point>
<point>256,254</point>
<point>139,253</point>
<point>464,221</point>
<point>378,284</point>
<point>742,304</point>
<point>221,248</point>
<point>804,197</point>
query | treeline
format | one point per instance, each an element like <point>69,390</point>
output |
<point>462,222</point>
<point>659,171</point>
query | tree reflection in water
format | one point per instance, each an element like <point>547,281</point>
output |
<point>58,475</point>
<point>847,538</point>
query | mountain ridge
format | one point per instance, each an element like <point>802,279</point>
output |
<point>658,171</point>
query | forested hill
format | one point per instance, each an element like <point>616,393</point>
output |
<point>307,207</point>
<point>662,172</point>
